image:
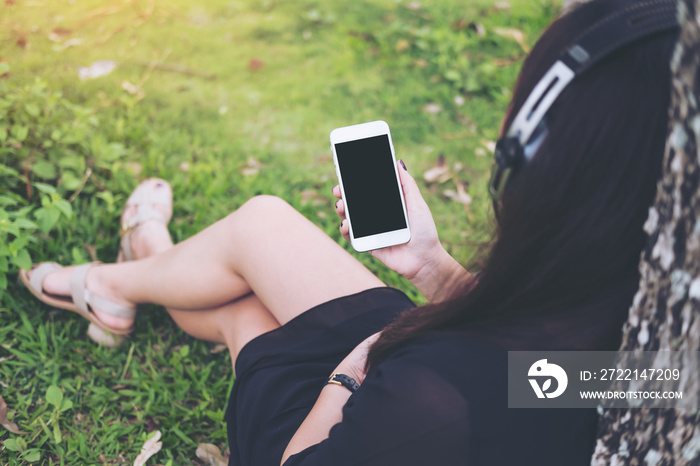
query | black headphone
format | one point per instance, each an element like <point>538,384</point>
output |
<point>627,22</point>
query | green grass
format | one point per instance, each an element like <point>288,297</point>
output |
<point>321,65</point>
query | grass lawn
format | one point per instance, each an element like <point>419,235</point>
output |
<point>226,100</point>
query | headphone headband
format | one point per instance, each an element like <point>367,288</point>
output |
<point>628,22</point>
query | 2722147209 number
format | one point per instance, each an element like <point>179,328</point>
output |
<point>637,374</point>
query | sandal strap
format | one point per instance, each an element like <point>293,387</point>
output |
<point>78,288</point>
<point>83,299</point>
<point>144,199</point>
<point>125,246</point>
<point>149,196</point>
<point>110,307</point>
<point>144,213</point>
<point>38,274</point>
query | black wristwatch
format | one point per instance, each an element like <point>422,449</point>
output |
<point>345,381</point>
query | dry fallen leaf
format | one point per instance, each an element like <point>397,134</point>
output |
<point>256,64</point>
<point>149,448</point>
<point>402,44</point>
<point>134,168</point>
<point>440,172</point>
<point>514,34</point>
<point>91,249</point>
<point>420,63</point>
<point>311,196</point>
<point>460,195</point>
<point>56,35</point>
<point>61,31</point>
<point>95,70</point>
<point>23,42</point>
<point>462,24</point>
<point>479,28</point>
<point>211,455</point>
<point>432,109</point>
<point>11,426</point>
<point>502,5</point>
<point>501,62</point>
<point>132,88</point>
<point>218,349</point>
<point>489,145</point>
<point>251,168</point>
<point>69,43</point>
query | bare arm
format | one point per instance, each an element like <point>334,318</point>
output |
<point>328,410</point>
<point>407,413</point>
<point>441,278</point>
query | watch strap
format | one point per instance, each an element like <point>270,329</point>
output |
<point>345,381</point>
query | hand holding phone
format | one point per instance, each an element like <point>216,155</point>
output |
<point>423,249</point>
<point>423,260</point>
<point>370,186</point>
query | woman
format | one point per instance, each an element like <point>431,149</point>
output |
<point>293,307</point>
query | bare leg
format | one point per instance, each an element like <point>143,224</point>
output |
<point>265,247</point>
<point>233,324</point>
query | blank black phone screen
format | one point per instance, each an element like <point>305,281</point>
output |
<point>371,190</point>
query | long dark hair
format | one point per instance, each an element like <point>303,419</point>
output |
<point>564,266</point>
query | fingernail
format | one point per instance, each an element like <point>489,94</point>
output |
<point>403,165</point>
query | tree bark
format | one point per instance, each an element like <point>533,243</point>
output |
<point>665,314</point>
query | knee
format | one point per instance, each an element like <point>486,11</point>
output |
<point>264,204</point>
<point>260,211</point>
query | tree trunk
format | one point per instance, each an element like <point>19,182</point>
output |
<point>665,312</point>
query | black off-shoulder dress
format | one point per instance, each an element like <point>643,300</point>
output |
<point>440,400</point>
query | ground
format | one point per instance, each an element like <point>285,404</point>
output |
<point>226,100</point>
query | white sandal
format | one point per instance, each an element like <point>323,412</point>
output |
<point>144,197</point>
<point>81,301</point>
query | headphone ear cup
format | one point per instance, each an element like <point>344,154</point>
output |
<point>509,153</point>
<point>509,156</point>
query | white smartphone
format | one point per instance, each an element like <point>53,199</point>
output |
<point>369,182</point>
